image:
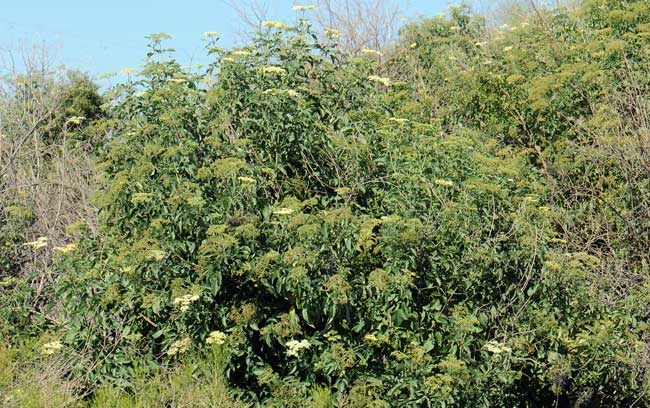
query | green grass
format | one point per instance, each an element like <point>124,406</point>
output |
<point>30,380</point>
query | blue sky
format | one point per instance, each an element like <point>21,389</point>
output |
<point>99,36</point>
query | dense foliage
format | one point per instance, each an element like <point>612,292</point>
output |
<point>463,222</point>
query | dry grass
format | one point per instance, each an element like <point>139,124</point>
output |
<point>31,380</point>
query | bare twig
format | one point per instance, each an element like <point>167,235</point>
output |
<point>363,23</point>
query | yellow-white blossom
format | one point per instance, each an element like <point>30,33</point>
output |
<point>156,254</point>
<point>41,242</point>
<point>444,183</point>
<point>138,198</point>
<point>281,92</point>
<point>52,347</point>
<point>211,34</point>
<point>216,337</point>
<point>185,301</point>
<point>228,59</point>
<point>247,180</point>
<point>400,121</point>
<point>66,248</point>
<point>368,51</point>
<point>304,8</point>
<point>495,347</point>
<point>240,53</point>
<point>381,80</point>
<point>295,347</point>
<point>332,336</point>
<point>179,346</point>
<point>75,120</point>
<point>343,191</point>
<point>283,211</point>
<point>273,70</point>
<point>127,71</point>
<point>332,33</point>
<point>275,24</point>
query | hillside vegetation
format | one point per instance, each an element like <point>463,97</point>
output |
<point>460,220</point>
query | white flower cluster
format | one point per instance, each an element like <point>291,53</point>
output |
<point>275,24</point>
<point>281,92</point>
<point>495,347</point>
<point>185,301</point>
<point>180,346</point>
<point>41,242</point>
<point>368,51</point>
<point>138,198</point>
<point>52,347</point>
<point>333,33</point>
<point>66,248</point>
<point>444,183</point>
<point>295,347</point>
<point>304,8</point>
<point>156,254</point>
<point>381,80</point>
<point>400,121</point>
<point>273,70</point>
<point>247,180</point>
<point>216,337</point>
<point>75,120</point>
<point>283,211</point>
<point>240,53</point>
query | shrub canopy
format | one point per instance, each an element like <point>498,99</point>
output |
<point>442,228</point>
